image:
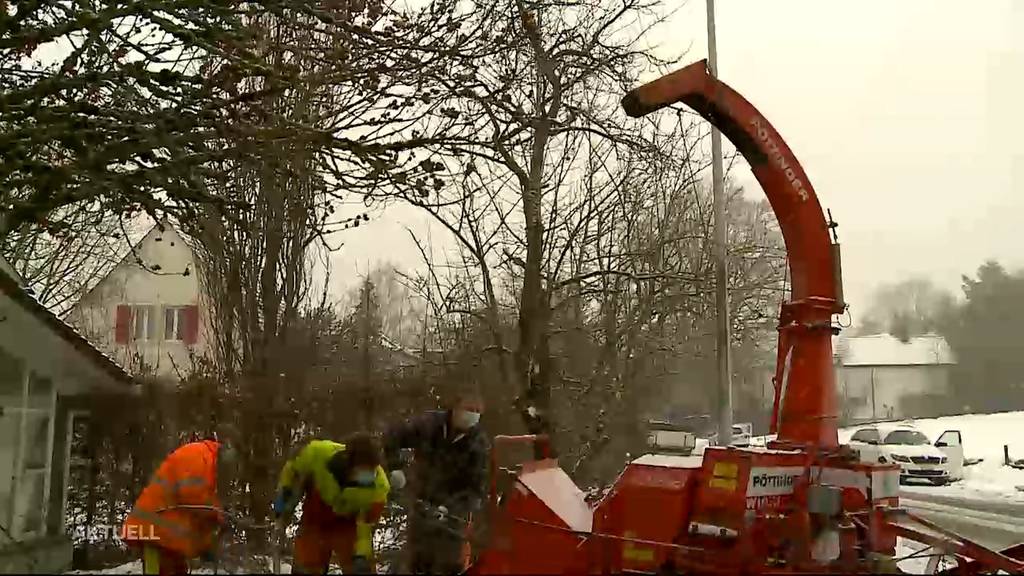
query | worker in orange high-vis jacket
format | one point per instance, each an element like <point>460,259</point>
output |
<point>179,514</point>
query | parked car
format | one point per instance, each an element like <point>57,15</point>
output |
<point>741,435</point>
<point>903,444</point>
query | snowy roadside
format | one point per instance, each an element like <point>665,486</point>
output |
<point>914,557</point>
<point>984,436</point>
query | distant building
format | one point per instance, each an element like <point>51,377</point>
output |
<point>882,378</point>
<point>46,369</point>
<point>151,309</point>
<point>148,309</point>
<point>397,357</point>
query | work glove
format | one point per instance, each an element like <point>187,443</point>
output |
<point>362,565</point>
<point>397,479</point>
<point>441,513</point>
<point>282,502</point>
<point>208,556</point>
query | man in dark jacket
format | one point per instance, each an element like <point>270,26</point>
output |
<point>450,473</point>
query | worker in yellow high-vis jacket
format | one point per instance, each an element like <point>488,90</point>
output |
<point>345,490</point>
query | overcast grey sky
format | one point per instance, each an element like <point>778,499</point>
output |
<point>906,115</point>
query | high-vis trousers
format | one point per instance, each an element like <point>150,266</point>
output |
<point>162,562</point>
<point>316,543</point>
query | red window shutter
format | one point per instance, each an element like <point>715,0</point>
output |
<point>191,335</point>
<point>123,322</point>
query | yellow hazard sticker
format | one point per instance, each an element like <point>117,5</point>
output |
<point>723,476</point>
<point>726,470</point>
<point>723,484</point>
<point>635,553</point>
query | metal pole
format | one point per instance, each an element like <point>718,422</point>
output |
<point>721,266</point>
<point>874,415</point>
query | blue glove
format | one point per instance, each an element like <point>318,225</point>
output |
<point>361,565</point>
<point>282,501</point>
<point>208,556</point>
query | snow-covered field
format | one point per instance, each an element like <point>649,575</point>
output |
<point>983,436</point>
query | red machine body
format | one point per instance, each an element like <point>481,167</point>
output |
<point>803,504</point>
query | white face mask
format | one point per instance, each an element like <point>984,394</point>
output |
<point>364,477</point>
<point>464,419</point>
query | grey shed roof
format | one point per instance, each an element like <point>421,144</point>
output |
<point>887,350</point>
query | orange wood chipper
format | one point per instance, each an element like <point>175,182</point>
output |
<point>801,504</point>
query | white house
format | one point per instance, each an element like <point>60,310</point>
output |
<point>45,365</point>
<point>148,309</point>
<point>880,377</point>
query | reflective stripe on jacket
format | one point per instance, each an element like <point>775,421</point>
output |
<point>187,477</point>
<point>363,503</point>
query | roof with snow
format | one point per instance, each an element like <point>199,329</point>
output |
<point>12,285</point>
<point>887,350</point>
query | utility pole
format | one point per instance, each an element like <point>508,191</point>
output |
<point>721,266</point>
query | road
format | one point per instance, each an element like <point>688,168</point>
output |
<point>996,525</point>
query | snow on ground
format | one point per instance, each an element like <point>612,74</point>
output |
<point>129,568</point>
<point>136,568</point>
<point>983,436</point>
<point>913,557</point>
<point>384,538</point>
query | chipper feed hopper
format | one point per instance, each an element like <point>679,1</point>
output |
<point>802,504</point>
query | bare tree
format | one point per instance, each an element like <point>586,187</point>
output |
<point>533,87</point>
<point>61,264</point>
<point>627,274</point>
<point>907,308</point>
<point>341,117</point>
<point>147,106</point>
<point>401,309</point>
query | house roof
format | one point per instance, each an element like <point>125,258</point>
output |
<point>887,350</point>
<point>404,356</point>
<point>131,256</point>
<point>15,290</point>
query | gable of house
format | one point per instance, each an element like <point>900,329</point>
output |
<point>148,309</point>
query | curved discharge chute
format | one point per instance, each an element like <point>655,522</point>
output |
<point>805,396</point>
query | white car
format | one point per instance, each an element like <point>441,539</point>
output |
<point>907,446</point>
<point>741,435</point>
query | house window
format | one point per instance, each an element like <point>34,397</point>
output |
<point>175,320</point>
<point>142,322</point>
<point>181,324</point>
<point>26,447</point>
<point>135,322</point>
<point>12,389</point>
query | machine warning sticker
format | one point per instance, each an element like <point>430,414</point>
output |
<point>763,503</point>
<point>723,476</point>
<point>773,481</point>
